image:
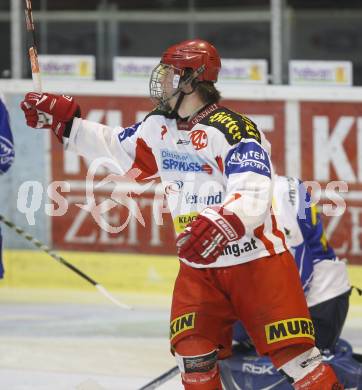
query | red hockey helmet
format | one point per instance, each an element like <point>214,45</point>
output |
<point>193,54</point>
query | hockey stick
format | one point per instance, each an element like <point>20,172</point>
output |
<point>32,47</point>
<point>61,260</point>
<point>160,380</point>
<point>359,290</point>
<point>165,377</point>
<point>33,57</point>
<point>227,381</point>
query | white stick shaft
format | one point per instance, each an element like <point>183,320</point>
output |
<point>37,82</point>
<point>108,295</point>
<point>35,70</point>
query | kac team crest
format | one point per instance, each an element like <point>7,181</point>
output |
<point>199,139</point>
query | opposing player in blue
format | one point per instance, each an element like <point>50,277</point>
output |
<point>6,156</point>
<point>327,290</point>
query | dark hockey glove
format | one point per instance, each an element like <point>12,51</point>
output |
<point>47,111</point>
<point>205,238</point>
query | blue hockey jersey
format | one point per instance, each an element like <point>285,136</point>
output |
<point>6,140</point>
<point>6,156</point>
<point>322,274</point>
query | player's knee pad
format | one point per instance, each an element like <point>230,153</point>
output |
<point>301,365</point>
<point>197,360</point>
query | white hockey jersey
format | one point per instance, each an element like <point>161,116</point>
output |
<point>323,275</point>
<point>218,157</point>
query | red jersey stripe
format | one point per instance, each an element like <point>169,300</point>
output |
<point>278,232</point>
<point>144,160</point>
<point>259,233</point>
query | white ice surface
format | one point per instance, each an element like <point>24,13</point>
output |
<point>60,346</point>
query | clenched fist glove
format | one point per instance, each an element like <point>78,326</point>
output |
<point>205,238</point>
<point>46,111</point>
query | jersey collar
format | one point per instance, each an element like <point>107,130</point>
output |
<point>191,121</point>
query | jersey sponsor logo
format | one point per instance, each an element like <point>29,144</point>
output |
<point>181,324</point>
<point>188,125</point>
<point>181,221</point>
<point>207,169</point>
<point>200,199</point>
<point>292,192</point>
<point>203,114</point>
<point>238,249</point>
<point>183,162</point>
<point>230,123</point>
<point>199,139</point>
<point>6,151</point>
<point>234,126</point>
<point>248,157</point>
<point>289,329</point>
<point>174,187</point>
<point>250,128</point>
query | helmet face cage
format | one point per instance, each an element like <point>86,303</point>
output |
<point>165,82</point>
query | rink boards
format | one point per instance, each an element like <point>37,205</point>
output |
<point>136,274</point>
<point>316,134</point>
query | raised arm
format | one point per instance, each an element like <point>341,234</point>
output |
<point>117,148</point>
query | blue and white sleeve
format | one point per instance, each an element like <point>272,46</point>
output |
<point>6,140</point>
<point>249,182</point>
<point>310,223</point>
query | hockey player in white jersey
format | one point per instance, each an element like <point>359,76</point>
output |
<point>192,143</point>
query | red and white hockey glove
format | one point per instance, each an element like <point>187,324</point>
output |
<point>205,238</point>
<point>46,111</point>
